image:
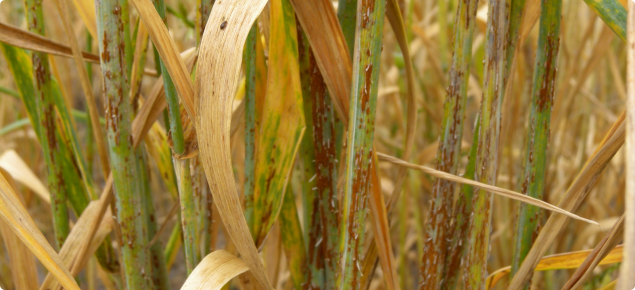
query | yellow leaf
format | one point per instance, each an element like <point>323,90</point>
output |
<point>570,260</point>
<point>23,267</point>
<point>14,165</point>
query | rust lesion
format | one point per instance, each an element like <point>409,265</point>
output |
<point>367,13</point>
<point>546,91</point>
<point>105,55</point>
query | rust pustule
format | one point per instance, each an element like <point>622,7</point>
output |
<point>365,91</point>
<point>105,55</point>
<point>368,7</point>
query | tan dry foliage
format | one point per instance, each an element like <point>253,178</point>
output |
<point>220,57</point>
<point>214,271</point>
<point>16,216</point>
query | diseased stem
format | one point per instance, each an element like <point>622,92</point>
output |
<point>159,269</point>
<point>189,216</point>
<point>366,62</point>
<point>88,94</point>
<point>487,152</point>
<point>540,120</point>
<point>127,178</point>
<point>449,150</point>
<point>199,181</point>
<point>49,137</point>
<point>457,250</point>
<point>320,173</point>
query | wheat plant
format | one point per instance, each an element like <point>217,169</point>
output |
<point>317,144</point>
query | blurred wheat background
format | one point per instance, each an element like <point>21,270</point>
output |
<point>302,144</point>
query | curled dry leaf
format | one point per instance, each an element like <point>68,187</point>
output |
<point>189,131</point>
<point>215,271</point>
<point>220,57</point>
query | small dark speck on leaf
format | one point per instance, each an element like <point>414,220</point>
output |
<point>223,25</point>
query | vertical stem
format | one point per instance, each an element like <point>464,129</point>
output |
<point>127,39</point>
<point>487,152</point>
<point>189,219</point>
<point>127,182</point>
<point>199,181</point>
<point>188,208</point>
<point>516,12</point>
<point>320,173</point>
<point>159,270</point>
<point>540,121</point>
<point>458,248</point>
<point>49,137</point>
<point>361,128</point>
<point>449,148</point>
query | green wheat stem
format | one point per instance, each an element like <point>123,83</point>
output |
<point>50,139</point>
<point>159,271</point>
<point>127,39</point>
<point>127,178</point>
<point>199,181</point>
<point>189,217</point>
<point>540,120</point>
<point>489,136</point>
